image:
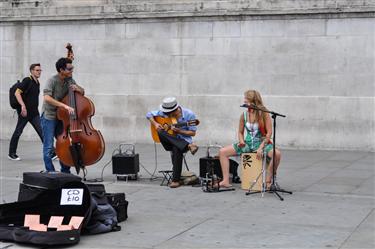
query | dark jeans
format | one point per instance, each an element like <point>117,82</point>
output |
<point>177,147</point>
<point>21,123</point>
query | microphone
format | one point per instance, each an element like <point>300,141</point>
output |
<point>249,106</point>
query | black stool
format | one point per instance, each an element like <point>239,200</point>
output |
<point>167,176</point>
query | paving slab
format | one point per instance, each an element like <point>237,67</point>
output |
<point>332,205</point>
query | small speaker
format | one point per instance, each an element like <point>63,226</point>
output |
<point>207,163</point>
<point>125,164</point>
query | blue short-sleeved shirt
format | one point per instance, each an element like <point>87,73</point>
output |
<point>186,116</point>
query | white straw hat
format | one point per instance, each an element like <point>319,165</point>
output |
<point>169,104</point>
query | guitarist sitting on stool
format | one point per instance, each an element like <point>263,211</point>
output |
<point>175,127</point>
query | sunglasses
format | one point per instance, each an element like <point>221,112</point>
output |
<point>69,69</point>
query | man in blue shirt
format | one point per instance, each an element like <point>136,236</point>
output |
<point>182,141</point>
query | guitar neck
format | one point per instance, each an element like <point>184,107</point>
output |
<point>180,124</point>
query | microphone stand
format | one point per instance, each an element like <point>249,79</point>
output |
<point>273,188</point>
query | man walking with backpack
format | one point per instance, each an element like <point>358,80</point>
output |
<point>27,95</point>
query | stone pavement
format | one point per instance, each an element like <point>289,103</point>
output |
<point>332,205</point>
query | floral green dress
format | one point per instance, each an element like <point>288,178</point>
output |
<point>253,138</point>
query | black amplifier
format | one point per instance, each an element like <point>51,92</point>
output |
<point>126,162</point>
<point>209,163</point>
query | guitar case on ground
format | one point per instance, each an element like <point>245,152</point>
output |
<point>50,202</point>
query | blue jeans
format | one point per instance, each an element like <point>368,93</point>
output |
<point>49,132</point>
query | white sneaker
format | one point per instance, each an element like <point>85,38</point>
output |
<point>54,156</point>
<point>14,157</point>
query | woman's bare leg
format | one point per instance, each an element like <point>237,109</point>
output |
<point>277,162</point>
<point>224,155</point>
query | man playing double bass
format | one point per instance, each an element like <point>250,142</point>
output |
<point>56,89</point>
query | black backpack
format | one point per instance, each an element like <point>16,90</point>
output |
<point>12,98</point>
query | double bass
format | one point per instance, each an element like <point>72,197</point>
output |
<point>79,144</point>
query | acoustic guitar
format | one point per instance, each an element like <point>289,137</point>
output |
<point>167,124</point>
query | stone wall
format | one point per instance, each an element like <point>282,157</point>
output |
<point>312,61</point>
<point>26,10</point>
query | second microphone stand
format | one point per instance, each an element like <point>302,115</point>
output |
<point>273,188</point>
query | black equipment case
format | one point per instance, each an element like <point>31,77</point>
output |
<point>120,204</point>
<point>46,204</point>
<point>35,183</point>
<point>208,162</point>
<point>49,180</point>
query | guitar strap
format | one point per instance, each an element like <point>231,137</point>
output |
<point>245,120</point>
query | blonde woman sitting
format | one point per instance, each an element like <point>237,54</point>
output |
<point>258,126</point>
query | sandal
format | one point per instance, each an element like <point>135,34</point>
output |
<point>226,186</point>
